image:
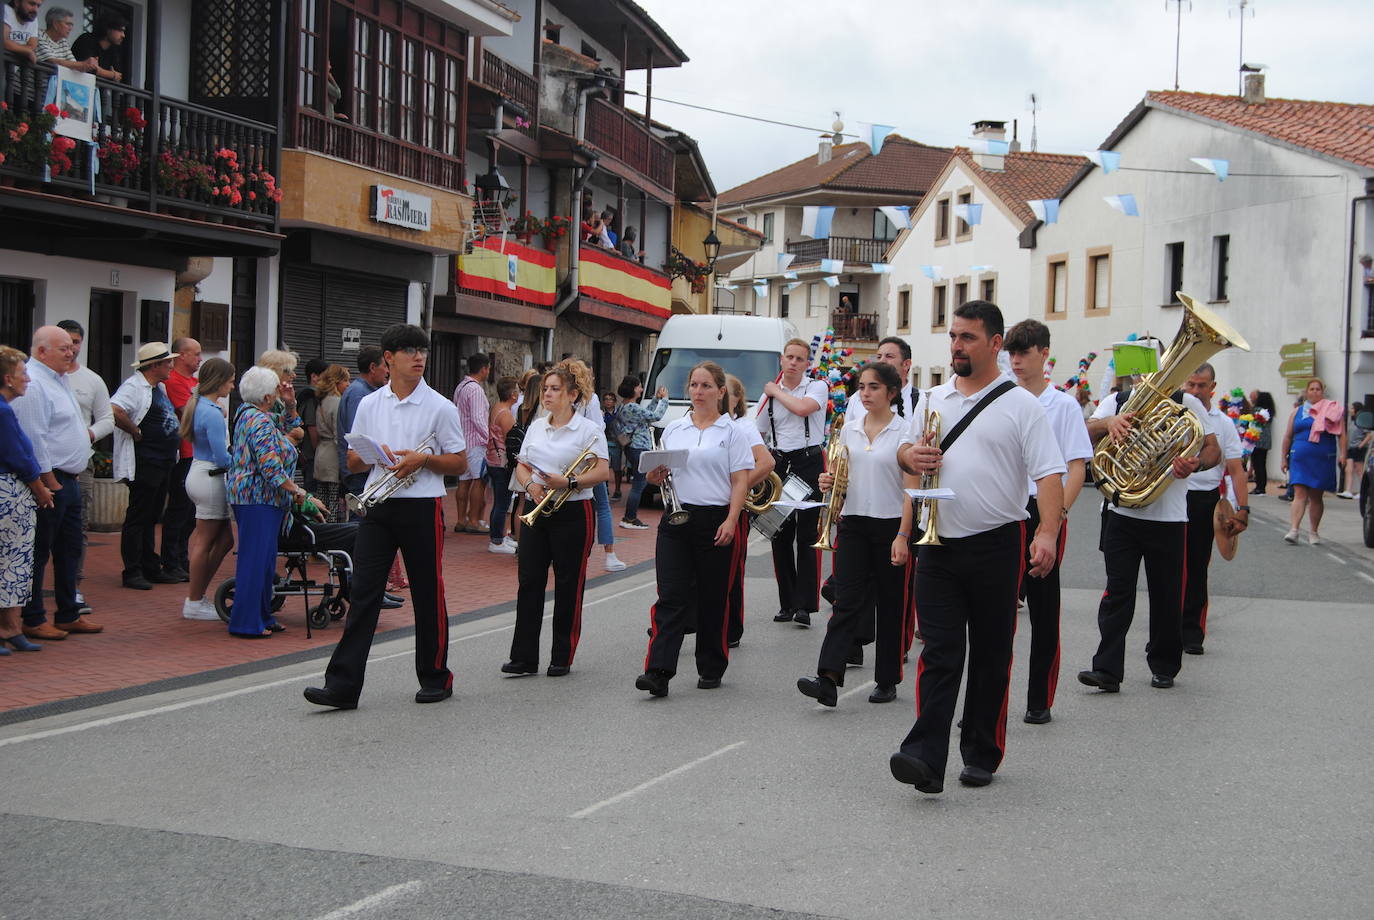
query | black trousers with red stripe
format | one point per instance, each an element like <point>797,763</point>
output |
<point>1043,610</point>
<point>796,565</point>
<point>909,625</point>
<point>740,556</point>
<point>415,526</point>
<point>563,540</point>
<point>966,590</point>
<point>864,578</point>
<point>693,581</point>
<point>1202,504</point>
<point>1125,542</point>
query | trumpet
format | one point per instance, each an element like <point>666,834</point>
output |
<point>555,498</point>
<point>927,511</point>
<point>389,484</point>
<point>673,512</point>
<point>837,464</point>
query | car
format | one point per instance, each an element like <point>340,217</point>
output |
<point>1365,420</point>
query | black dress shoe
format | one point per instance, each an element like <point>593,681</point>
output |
<point>1037,716</point>
<point>1192,649</point>
<point>820,689</point>
<point>782,616</point>
<point>882,694</point>
<point>323,697</point>
<point>1161,682</point>
<point>656,682</point>
<point>733,643</point>
<point>708,683</point>
<point>801,618</point>
<point>177,573</point>
<point>162,578</point>
<point>519,667</point>
<point>138,583</point>
<point>855,656</point>
<point>974,776</point>
<point>558,670</point>
<point>389,604</point>
<point>915,772</point>
<point>395,598</point>
<point>433,694</point>
<point>828,592</point>
<point>1101,680</point>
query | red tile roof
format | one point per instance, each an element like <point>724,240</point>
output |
<point>1025,176</point>
<point>1336,129</point>
<point>904,169</point>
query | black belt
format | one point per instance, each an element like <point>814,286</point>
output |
<point>798,453</point>
<point>1002,531</point>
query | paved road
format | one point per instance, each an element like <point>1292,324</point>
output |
<point>1243,792</point>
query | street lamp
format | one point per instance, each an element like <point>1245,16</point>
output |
<point>711,245</point>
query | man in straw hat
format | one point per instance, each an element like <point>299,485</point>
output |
<point>146,446</point>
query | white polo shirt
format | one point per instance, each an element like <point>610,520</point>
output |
<point>793,432</point>
<point>875,479</point>
<point>401,424</point>
<point>1172,506</point>
<point>855,407</point>
<point>1065,416</point>
<point>715,453</point>
<point>988,467</point>
<point>746,427</point>
<point>548,449</point>
<point>1228,439</point>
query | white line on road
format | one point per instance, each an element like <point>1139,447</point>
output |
<point>1337,558</point>
<point>372,900</point>
<point>859,689</point>
<point>241,691</point>
<point>591,809</point>
<point>1366,576</point>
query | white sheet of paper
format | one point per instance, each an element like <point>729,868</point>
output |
<point>367,449</point>
<point>797,506</point>
<point>653,459</point>
<point>942,494</point>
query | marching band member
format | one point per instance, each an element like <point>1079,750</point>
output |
<point>694,558</point>
<point>873,543</point>
<point>967,585</point>
<point>763,465</point>
<point>792,417</point>
<point>1028,346</point>
<point>563,538</point>
<point>404,412</point>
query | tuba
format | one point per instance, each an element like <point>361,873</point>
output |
<point>1135,471</point>
<point>761,497</point>
<point>556,498</point>
<point>837,464</point>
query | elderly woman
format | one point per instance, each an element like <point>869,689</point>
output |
<point>283,364</point>
<point>203,424</point>
<point>22,493</point>
<point>329,388</point>
<point>262,493</point>
<point>1316,437</point>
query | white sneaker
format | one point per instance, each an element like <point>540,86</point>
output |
<point>1291,537</point>
<point>511,543</point>
<point>198,610</point>
<point>613,564</point>
<point>1314,539</point>
<point>633,524</point>
<point>1345,494</point>
<point>501,549</point>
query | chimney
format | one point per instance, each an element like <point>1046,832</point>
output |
<point>1253,81</point>
<point>823,154</point>
<point>1015,146</point>
<point>995,133</point>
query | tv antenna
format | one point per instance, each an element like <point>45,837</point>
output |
<point>1033,103</point>
<point>1240,10</point>
<point>1178,30</point>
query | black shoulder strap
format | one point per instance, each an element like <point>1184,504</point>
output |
<point>947,442</point>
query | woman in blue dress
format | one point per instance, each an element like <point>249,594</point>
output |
<point>22,493</point>
<point>1311,459</point>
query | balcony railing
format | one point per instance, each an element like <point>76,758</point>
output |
<point>176,161</point>
<point>349,142</point>
<point>508,80</point>
<point>624,137</point>
<point>846,248</point>
<point>859,327</point>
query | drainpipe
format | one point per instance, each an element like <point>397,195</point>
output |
<point>574,239</point>
<point>1350,285</point>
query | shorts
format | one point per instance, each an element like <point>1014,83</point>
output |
<point>1357,454</point>
<point>477,469</point>
<point>208,492</point>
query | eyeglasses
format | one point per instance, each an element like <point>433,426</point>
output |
<point>410,351</point>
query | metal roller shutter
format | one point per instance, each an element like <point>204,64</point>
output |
<point>302,311</point>
<point>317,306</point>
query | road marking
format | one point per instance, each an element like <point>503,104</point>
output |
<point>241,691</point>
<point>1366,576</point>
<point>859,689</point>
<point>1337,558</point>
<point>372,900</point>
<point>676,771</point>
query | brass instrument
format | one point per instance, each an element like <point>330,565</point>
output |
<point>673,512</point>
<point>837,465</point>
<point>1135,471</point>
<point>389,484</point>
<point>928,509</point>
<point>555,498</point>
<point>761,497</point>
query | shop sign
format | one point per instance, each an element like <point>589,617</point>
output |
<point>352,339</point>
<point>401,208</point>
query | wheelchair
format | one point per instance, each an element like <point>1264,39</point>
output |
<point>307,542</point>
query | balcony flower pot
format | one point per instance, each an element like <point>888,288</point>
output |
<point>109,502</point>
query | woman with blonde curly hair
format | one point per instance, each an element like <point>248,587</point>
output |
<point>589,407</point>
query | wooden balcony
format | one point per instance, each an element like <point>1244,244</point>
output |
<point>504,78</point>
<point>383,153</point>
<point>624,136</point>
<point>845,248</point>
<point>855,327</point>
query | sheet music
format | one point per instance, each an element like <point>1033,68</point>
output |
<point>941,494</point>
<point>672,459</point>
<point>367,449</point>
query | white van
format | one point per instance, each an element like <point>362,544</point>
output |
<point>750,347</point>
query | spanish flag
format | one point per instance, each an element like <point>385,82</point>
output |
<point>509,268</point>
<point>615,280</point>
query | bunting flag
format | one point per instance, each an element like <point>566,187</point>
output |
<point>900,217</point>
<point>790,276</point>
<point>1123,203</point>
<point>931,271</point>
<point>1219,168</point>
<point>1046,210</point>
<point>880,268</point>
<point>977,269</point>
<point>794,285</point>
<point>785,259</point>
<point>971,214</point>
<point>880,132</point>
<point>831,281</point>
<point>761,288</point>
<point>832,266</point>
<point>816,221</point>
<point>1109,160</point>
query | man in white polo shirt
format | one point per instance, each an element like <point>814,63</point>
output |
<point>994,440</point>
<point>400,417</point>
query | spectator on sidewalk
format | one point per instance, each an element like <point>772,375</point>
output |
<point>474,410</point>
<point>180,517</point>
<point>51,418</point>
<point>372,373</point>
<point>609,406</point>
<point>284,409</point>
<point>94,399</point>
<point>636,421</point>
<point>590,407</point>
<point>329,390</point>
<point>22,494</point>
<point>1360,439</point>
<point>500,465</point>
<point>1313,449</point>
<point>308,407</point>
<point>527,408</point>
<point>146,447</point>
<point>1259,457</point>
<point>204,423</point>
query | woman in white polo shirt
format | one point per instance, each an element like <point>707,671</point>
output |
<point>693,559</point>
<point>873,543</point>
<point>562,539</point>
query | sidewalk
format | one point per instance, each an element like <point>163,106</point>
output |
<point>146,640</point>
<point>1341,528</point>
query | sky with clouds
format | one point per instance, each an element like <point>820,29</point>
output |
<point>932,69</point>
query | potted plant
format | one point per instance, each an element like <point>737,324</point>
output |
<point>26,141</point>
<point>109,499</point>
<point>119,150</point>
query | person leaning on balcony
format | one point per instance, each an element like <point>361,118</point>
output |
<point>53,46</point>
<point>22,493</point>
<point>104,44</point>
<point>21,28</point>
<point>629,243</point>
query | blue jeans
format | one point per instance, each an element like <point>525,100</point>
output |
<point>58,534</point>
<point>605,527</point>
<point>636,484</point>
<point>256,570</point>
<point>499,477</point>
